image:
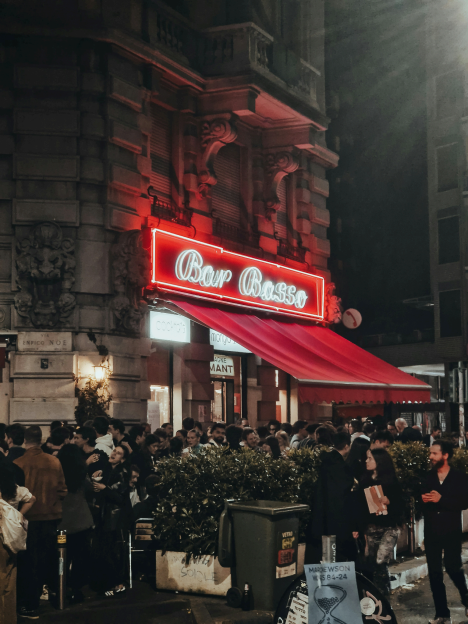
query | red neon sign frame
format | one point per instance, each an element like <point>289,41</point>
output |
<point>187,266</point>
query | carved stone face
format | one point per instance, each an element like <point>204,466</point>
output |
<point>45,274</point>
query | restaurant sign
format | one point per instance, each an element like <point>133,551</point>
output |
<point>190,267</point>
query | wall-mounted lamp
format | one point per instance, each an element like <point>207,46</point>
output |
<point>99,373</point>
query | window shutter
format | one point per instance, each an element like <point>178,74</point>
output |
<point>226,193</point>
<point>282,213</point>
<point>160,145</point>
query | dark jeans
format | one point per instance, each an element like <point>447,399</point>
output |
<point>78,556</point>
<point>38,564</point>
<point>451,545</point>
<point>108,560</point>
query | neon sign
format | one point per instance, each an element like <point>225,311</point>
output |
<point>190,267</point>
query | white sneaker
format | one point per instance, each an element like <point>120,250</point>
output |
<point>45,593</point>
<point>441,620</point>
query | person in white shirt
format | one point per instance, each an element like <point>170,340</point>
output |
<point>104,441</point>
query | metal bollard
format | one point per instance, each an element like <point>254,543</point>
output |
<point>328,548</point>
<point>62,568</point>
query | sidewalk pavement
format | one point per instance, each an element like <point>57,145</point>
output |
<point>212,610</point>
<point>407,572</point>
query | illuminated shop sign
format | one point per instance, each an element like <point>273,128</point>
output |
<point>220,342</point>
<point>183,265</point>
<point>170,327</point>
<point>222,365</point>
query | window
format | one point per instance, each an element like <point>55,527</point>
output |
<point>450,313</point>
<point>161,148</point>
<point>447,167</point>
<point>282,212</point>
<point>226,193</point>
<point>449,240</point>
<point>447,89</point>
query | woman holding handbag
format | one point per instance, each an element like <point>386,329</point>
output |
<point>380,527</point>
<point>112,514</point>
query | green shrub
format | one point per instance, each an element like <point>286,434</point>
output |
<point>460,459</point>
<point>411,462</point>
<point>193,488</point>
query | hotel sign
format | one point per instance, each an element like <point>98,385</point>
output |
<point>186,266</point>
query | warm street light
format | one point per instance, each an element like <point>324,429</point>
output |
<point>99,373</point>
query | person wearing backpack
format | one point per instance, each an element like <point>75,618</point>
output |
<point>12,538</point>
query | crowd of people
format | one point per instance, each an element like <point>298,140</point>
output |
<point>94,481</point>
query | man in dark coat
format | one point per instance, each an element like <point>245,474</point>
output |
<point>331,511</point>
<point>407,433</point>
<point>444,496</point>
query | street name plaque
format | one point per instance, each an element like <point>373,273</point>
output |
<point>45,341</point>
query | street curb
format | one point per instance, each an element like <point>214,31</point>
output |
<point>410,571</point>
<point>200,614</point>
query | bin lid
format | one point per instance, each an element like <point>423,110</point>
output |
<point>267,508</point>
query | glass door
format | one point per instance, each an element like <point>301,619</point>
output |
<point>222,406</point>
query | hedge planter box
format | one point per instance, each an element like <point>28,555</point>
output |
<point>202,575</point>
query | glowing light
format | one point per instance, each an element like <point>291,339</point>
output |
<point>206,271</point>
<point>99,373</point>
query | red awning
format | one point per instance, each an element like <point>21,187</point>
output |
<point>328,367</point>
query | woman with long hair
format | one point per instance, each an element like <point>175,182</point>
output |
<point>182,435</point>
<point>271,446</point>
<point>357,457</point>
<point>76,518</point>
<point>380,529</point>
<point>283,441</point>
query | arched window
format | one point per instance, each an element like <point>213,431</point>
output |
<point>226,193</point>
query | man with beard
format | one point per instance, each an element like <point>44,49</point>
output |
<point>218,431</point>
<point>445,495</point>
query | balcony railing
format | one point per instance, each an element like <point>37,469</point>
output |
<point>286,250</point>
<point>168,211</point>
<point>233,233</point>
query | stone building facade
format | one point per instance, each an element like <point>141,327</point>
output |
<point>220,108</point>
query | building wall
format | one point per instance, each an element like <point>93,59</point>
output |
<point>78,153</point>
<point>446,98</point>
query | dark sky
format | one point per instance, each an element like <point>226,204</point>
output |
<point>376,65</point>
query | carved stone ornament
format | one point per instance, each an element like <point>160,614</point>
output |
<point>333,308</point>
<point>131,272</point>
<point>214,135</point>
<point>277,167</point>
<point>45,266</point>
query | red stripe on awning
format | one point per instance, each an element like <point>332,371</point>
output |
<point>328,367</point>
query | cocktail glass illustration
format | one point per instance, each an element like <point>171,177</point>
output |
<point>327,598</point>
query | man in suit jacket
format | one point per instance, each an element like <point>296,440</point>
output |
<point>331,505</point>
<point>429,439</point>
<point>444,496</point>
